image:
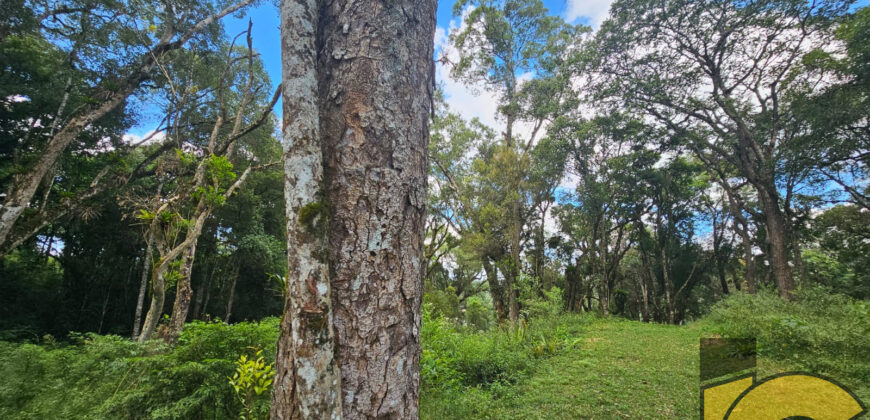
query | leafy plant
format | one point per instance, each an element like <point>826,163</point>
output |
<point>253,378</point>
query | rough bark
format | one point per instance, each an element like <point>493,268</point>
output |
<point>307,380</point>
<point>376,85</point>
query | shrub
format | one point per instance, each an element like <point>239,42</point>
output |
<point>549,305</point>
<point>455,357</point>
<point>464,370</point>
<point>98,377</point>
<point>819,332</point>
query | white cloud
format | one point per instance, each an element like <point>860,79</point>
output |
<point>149,137</point>
<point>595,11</point>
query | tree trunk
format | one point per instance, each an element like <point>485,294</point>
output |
<point>201,300</point>
<point>512,291</point>
<point>777,238</point>
<point>229,309</point>
<point>376,86</point>
<point>743,231</point>
<point>603,297</point>
<point>644,309</point>
<point>669,287</point>
<point>495,290</point>
<point>720,265</point>
<point>647,280</point>
<point>143,286</point>
<point>573,296</point>
<point>307,380</point>
<point>183,293</point>
<point>158,296</point>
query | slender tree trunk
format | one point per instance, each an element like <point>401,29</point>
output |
<point>720,266</point>
<point>158,296</point>
<point>183,292</point>
<point>743,231</point>
<point>573,295</point>
<point>308,380</point>
<point>143,286</point>
<point>512,291</point>
<point>202,294</point>
<point>644,309</point>
<point>376,87</point>
<point>229,309</point>
<point>669,287</point>
<point>603,298</point>
<point>647,281</point>
<point>206,299</point>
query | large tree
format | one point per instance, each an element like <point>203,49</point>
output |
<point>103,52</point>
<point>719,73</point>
<point>361,75</point>
<point>500,43</point>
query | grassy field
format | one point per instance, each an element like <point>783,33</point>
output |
<point>617,369</point>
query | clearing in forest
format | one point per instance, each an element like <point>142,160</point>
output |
<point>620,369</point>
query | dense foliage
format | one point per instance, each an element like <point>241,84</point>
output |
<point>96,376</point>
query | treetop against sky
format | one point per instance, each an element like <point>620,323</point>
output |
<point>466,101</point>
<point>266,37</point>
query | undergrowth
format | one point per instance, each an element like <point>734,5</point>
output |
<point>111,377</point>
<point>817,332</point>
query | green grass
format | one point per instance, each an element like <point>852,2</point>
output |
<point>557,366</point>
<point>621,369</point>
<point>618,369</point>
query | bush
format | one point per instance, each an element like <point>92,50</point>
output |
<point>550,305</point>
<point>463,368</point>
<point>819,332</point>
<point>98,377</point>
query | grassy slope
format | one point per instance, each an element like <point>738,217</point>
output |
<point>621,369</point>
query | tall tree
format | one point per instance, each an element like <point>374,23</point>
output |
<point>500,42</point>
<point>234,95</point>
<point>84,26</point>
<point>719,73</point>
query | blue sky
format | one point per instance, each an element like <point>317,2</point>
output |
<point>266,39</point>
<point>266,24</point>
<point>463,100</point>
